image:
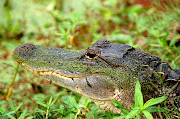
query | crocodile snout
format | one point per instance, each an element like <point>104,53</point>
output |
<point>25,51</point>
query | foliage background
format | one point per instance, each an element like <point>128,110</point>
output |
<point>71,24</point>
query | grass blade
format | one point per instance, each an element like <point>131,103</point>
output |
<point>19,106</point>
<point>11,105</point>
<point>23,114</point>
<point>41,103</point>
<point>50,100</point>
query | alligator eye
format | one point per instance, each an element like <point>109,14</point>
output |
<point>91,55</point>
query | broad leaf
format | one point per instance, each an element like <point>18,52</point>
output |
<point>120,117</point>
<point>133,113</point>
<point>155,109</point>
<point>119,105</point>
<point>138,96</point>
<point>147,114</point>
<point>154,101</point>
<point>73,102</point>
<point>138,117</point>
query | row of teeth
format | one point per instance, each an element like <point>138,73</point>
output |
<point>44,72</point>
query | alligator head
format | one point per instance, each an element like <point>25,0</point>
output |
<point>103,72</point>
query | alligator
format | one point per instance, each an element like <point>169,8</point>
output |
<point>104,72</point>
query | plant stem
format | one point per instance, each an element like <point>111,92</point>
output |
<point>10,86</point>
<point>47,111</point>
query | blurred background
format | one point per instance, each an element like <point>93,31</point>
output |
<point>152,26</point>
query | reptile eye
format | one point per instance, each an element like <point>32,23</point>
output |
<point>91,55</point>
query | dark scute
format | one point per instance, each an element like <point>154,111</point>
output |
<point>174,74</point>
<point>163,67</point>
<point>101,41</point>
<point>154,63</point>
<point>113,61</point>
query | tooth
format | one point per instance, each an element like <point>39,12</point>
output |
<point>43,71</point>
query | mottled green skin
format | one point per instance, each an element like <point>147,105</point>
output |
<point>104,72</point>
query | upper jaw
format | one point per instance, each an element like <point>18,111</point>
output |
<point>57,72</point>
<point>64,63</point>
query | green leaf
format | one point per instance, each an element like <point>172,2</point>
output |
<point>41,103</point>
<point>11,113</point>
<point>134,9</point>
<point>138,117</point>
<point>19,106</point>
<point>23,114</point>
<point>163,42</point>
<point>124,111</point>
<point>40,111</point>
<point>119,105</point>
<point>11,105</point>
<point>120,117</point>
<point>39,97</point>
<point>11,117</point>
<point>70,116</point>
<point>172,42</point>
<point>31,117</point>
<point>54,100</point>
<point>65,99</point>
<point>154,101</point>
<point>155,109</point>
<point>95,115</point>
<point>62,108</point>
<point>2,102</point>
<point>108,115</point>
<point>133,113</point>
<point>138,96</point>
<point>73,102</point>
<point>50,100</point>
<point>147,114</point>
<point>86,101</point>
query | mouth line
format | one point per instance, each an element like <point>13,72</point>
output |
<point>45,71</point>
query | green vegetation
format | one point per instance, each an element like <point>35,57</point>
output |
<point>139,108</point>
<point>73,24</point>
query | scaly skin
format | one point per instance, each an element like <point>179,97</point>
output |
<point>103,72</point>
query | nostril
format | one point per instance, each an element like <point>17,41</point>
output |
<point>23,46</point>
<point>25,50</point>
